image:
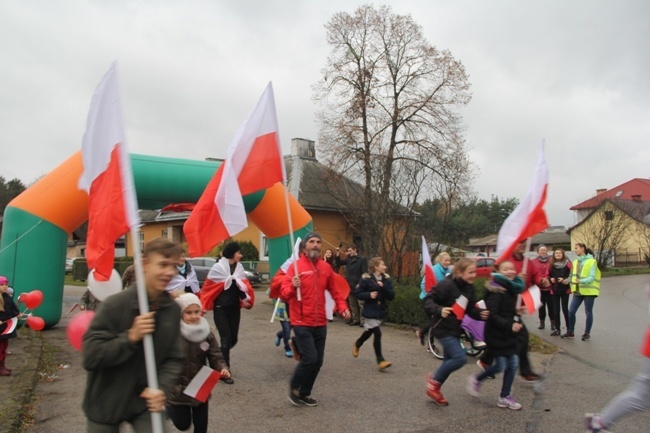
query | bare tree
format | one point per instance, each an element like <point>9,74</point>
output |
<point>389,108</point>
<point>605,231</point>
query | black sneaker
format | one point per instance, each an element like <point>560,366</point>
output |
<point>555,333</point>
<point>585,337</point>
<point>308,401</point>
<point>567,335</point>
<point>294,397</point>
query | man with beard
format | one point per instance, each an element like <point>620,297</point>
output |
<point>304,292</point>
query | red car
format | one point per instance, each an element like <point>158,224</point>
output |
<point>484,266</point>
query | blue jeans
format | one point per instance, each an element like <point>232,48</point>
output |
<point>285,333</point>
<point>589,307</point>
<point>311,346</point>
<point>455,358</point>
<point>507,363</point>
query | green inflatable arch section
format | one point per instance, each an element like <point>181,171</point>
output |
<point>34,250</point>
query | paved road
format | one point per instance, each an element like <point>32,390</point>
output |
<point>354,396</point>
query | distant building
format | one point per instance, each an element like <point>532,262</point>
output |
<point>616,222</point>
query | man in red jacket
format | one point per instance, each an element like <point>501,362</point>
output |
<point>305,295</point>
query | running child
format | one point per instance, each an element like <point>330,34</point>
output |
<point>500,332</point>
<point>446,325</point>
<point>374,289</point>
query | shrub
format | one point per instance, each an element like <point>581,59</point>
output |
<point>407,309</point>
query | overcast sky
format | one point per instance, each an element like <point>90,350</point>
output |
<point>575,73</point>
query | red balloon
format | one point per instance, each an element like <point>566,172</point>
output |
<point>32,299</point>
<point>77,327</point>
<point>36,323</point>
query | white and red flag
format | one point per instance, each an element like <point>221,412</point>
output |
<point>529,218</point>
<point>11,325</point>
<point>201,385</point>
<point>253,162</point>
<point>459,307</point>
<point>532,299</point>
<point>107,177</point>
<point>427,268</point>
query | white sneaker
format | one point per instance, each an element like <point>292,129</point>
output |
<point>508,402</point>
<point>473,386</point>
<point>478,344</point>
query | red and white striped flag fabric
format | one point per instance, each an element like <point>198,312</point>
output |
<point>201,385</point>
<point>481,304</point>
<point>532,299</point>
<point>459,307</point>
<point>529,218</point>
<point>107,177</point>
<point>11,325</point>
<point>253,162</point>
<point>427,268</point>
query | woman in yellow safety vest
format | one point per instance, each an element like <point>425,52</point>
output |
<point>585,286</point>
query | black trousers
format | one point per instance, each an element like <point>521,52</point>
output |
<point>227,319</point>
<point>547,303</point>
<point>183,415</point>
<point>376,342</point>
<point>311,346</point>
<point>561,303</point>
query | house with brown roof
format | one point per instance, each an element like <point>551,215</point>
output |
<point>615,223</point>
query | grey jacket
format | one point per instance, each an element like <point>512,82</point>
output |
<point>116,368</point>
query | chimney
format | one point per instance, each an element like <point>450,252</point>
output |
<point>305,149</point>
<point>600,191</point>
<point>636,197</point>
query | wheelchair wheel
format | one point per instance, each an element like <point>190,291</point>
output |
<point>434,345</point>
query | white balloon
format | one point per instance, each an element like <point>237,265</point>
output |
<point>103,289</point>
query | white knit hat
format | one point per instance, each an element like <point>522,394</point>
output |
<point>187,299</point>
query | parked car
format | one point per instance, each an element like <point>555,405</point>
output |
<point>484,266</point>
<point>202,267</point>
<point>69,262</point>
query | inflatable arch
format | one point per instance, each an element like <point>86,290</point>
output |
<point>37,222</point>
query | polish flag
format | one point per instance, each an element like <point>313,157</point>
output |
<point>11,325</point>
<point>253,162</point>
<point>532,299</point>
<point>107,177</point>
<point>427,268</point>
<point>529,218</point>
<point>201,386</point>
<point>459,307</point>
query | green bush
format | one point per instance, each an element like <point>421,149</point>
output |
<point>80,267</point>
<point>407,309</point>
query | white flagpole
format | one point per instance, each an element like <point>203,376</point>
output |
<point>275,309</point>
<point>143,303</point>
<point>289,219</point>
<point>525,266</point>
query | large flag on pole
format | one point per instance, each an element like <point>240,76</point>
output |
<point>253,162</point>
<point>107,177</point>
<point>427,268</point>
<point>529,218</point>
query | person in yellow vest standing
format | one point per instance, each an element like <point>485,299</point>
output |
<point>585,286</point>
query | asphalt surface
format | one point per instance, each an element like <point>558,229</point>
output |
<point>352,394</point>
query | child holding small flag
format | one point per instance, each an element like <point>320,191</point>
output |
<point>8,311</point>
<point>199,345</point>
<point>446,306</point>
<point>500,332</point>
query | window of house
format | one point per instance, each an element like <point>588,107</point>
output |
<point>609,215</point>
<point>264,247</point>
<point>141,241</point>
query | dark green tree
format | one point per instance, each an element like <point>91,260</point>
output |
<point>8,191</point>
